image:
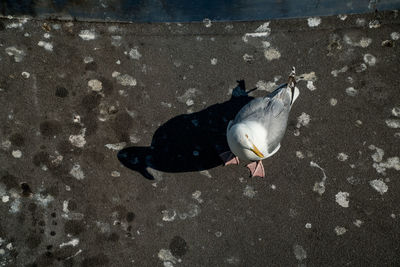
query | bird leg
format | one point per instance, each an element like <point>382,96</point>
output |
<point>256,169</point>
<point>229,158</point>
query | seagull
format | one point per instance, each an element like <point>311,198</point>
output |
<point>258,128</point>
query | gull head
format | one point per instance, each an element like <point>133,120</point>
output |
<point>243,143</point>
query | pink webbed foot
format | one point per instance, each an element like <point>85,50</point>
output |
<point>256,169</point>
<point>229,158</point>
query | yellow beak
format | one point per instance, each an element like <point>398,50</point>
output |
<point>257,152</point>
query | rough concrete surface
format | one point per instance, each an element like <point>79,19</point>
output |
<point>81,101</point>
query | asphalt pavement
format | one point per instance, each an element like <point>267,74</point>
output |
<point>110,134</point>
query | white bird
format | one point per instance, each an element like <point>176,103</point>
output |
<point>258,128</point>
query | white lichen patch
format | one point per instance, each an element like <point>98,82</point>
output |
<point>115,74</point>
<point>358,223</point>
<point>379,185</point>
<point>342,198</point>
<point>116,40</point>
<point>16,25</point>
<point>313,22</point>
<point>379,165</point>
<point>229,27</point>
<point>262,31</point>
<point>207,23</point>
<point>374,24</point>
<point>265,44</point>
<point>335,73</point>
<point>189,102</point>
<point>116,147</point>
<point>342,156</point>
<point>79,139</point>
<point>393,123</point>
<point>339,230</point>
<point>214,61</point>
<point>96,85</point>
<point>188,95</point>
<point>17,154</point>
<point>87,35</point>
<point>206,173</point>
<point>134,139</point>
<point>5,145</point>
<point>168,215</point>
<point>46,45</point>
<point>115,174</point>
<point>362,67</point>
<point>391,163</point>
<point>342,17</point>
<point>311,86</point>
<point>319,187</point>
<point>15,206</point>
<point>167,258</point>
<point>249,191</point>
<point>191,211</point>
<point>299,154</point>
<point>126,80</point>
<point>363,42</point>
<point>271,54</point>
<point>43,200</point>
<point>248,58</point>
<point>18,54</point>
<point>299,252</point>
<point>361,22</point>
<point>87,60</point>
<point>25,74</point>
<point>197,196</point>
<point>5,199</point>
<point>303,120</point>
<point>307,77</point>
<point>369,59</point>
<point>65,206</point>
<point>74,242</point>
<point>395,36</point>
<point>77,172</point>
<point>104,227</point>
<point>396,111</point>
<point>351,91</point>
<point>350,79</point>
<point>333,102</point>
<point>135,54</point>
<point>266,86</point>
<point>378,155</point>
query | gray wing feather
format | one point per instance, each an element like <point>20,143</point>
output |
<point>272,112</point>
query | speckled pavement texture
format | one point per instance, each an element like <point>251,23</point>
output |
<point>110,135</point>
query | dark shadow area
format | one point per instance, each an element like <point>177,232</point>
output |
<point>18,7</point>
<point>188,142</point>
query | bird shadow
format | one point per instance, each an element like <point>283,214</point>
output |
<point>188,142</point>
